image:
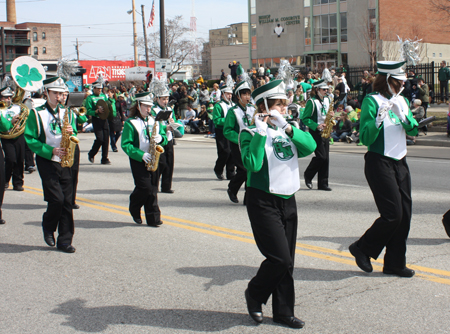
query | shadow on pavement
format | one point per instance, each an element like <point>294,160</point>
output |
<point>223,275</point>
<point>23,206</point>
<point>14,249</point>
<point>97,319</point>
<point>93,223</point>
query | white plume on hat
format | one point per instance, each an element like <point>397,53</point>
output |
<point>159,88</point>
<point>286,73</point>
<point>228,86</point>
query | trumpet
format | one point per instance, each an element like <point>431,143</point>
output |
<point>81,111</point>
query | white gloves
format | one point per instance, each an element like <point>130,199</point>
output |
<point>146,157</point>
<point>261,126</point>
<point>277,119</point>
<point>381,114</point>
<point>397,111</point>
<point>158,138</point>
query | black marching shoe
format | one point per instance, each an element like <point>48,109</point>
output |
<point>91,159</point>
<point>18,188</point>
<point>308,182</point>
<point>254,308</point>
<point>49,239</point>
<point>326,188</point>
<point>220,176</point>
<point>75,206</point>
<point>362,260</point>
<point>230,176</point>
<point>169,191</point>
<point>2,221</point>
<point>232,196</point>
<point>292,321</point>
<point>155,224</point>
<point>137,220</point>
<point>67,248</point>
<point>405,272</point>
<point>106,162</point>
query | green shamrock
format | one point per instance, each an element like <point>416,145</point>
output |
<point>27,76</point>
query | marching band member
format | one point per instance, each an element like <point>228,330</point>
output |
<point>238,118</point>
<point>101,126</point>
<point>14,148</point>
<point>314,116</point>
<point>136,136</point>
<point>5,126</point>
<point>167,159</point>
<point>385,121</point>
<point>220,111</point>
<point>43,136</point>
<point>270,150</point>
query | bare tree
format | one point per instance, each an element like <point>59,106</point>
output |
<point>442,8</point>
<point>179,47</point>
<point>367,38</point>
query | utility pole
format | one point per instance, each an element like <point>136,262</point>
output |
<point>77,47</point>
<point>162,30</point>
<point>135,36</point>
<point>78,51</point>
<point>145,35</point>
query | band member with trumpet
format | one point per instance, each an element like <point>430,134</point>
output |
<point>100,123</point>
<point>174,128</point>
<point>270,150</point>
<point>13,146</point>
<point>314,115</point>
<point>224,159</point>
<point>43,134</point>
<point>5,125</point>
<point>385,121</point>
<point>238,118</point>
<point>137,135</point>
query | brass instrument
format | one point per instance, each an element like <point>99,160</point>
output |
<point>154,150</point>
<point>79,111</point>
<point>68,142</point>
<point>329,121</point>
<point>19,127</point>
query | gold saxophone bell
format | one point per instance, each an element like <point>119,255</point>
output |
<point>79,111</point>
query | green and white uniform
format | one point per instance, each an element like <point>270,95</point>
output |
<point>237,120</point>
<point>390,138</point>
<point>10,112</point>
<point>43,130</point>
<point>91,103</point>
<point>315,112</point>
<point>136,136</point>
<point>220,112</point>
<point>155,111</point>
<point>271,160</point>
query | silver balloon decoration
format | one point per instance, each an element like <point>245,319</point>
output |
<point>286,73</point>
<point>409,50</point>
<point>66,68</point>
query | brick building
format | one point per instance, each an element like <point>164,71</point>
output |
<point>45,39</point>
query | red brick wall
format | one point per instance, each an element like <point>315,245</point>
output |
<point>409,19</point>
<point>52,41</point>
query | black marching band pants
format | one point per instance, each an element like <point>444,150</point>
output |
<point>75,171</point>
<point>29,157</point>
<point>223,154</point>
<point>165,168</point>
<point>241,173</point>
<point>274,224</point>
<point>58,192</point>
<point>320,164</point>
<point>145,193</point>
<point>390,182</point>
<point>2,179</point>
<point>101,130</point>
<point>14,159</point>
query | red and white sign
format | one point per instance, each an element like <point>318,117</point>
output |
<point>111,70</point>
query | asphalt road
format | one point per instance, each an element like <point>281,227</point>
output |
<point>189,275</point>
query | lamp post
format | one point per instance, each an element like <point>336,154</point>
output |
<point>145,34</point>
<point>134,35</point>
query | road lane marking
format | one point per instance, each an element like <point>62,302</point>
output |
<point>302,249</point>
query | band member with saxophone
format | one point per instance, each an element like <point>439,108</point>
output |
<point>101,126</point>
<point>43,133</point>
<point>238,118</point>
<point>13,147</point>
<point>314,115</point>
<point>174,129</point>
<point>139,131</point>
<point>224,159</point>
<point>385,121</point>
<point>270,150</point>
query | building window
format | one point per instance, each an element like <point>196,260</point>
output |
<point>34,36</point>
<point>307,31</point>
<point>343,27</point>
<point>440,55</point>
<point>35,51</point>
<point>43,35</point>
<point>322,2</point>
<point>252,7</point>
<point>307,3</point>
<point>44,50</point>
<point>434,55</point>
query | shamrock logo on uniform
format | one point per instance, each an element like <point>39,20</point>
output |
<point>27,76</point>
<point>55,128</point>
<point>393,117</point>
<point>282,148</point>
<point>9,115</point>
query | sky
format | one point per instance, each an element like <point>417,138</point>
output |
<point>105,30</point>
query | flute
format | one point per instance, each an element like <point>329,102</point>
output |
<point>390,103</point>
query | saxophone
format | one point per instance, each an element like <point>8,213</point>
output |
<point>329,121</point>
<point>154,150</point>
<point>68,142</point>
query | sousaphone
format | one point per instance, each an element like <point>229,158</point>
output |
<point>28,75</point>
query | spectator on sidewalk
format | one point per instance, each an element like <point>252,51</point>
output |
<point>444,76</point>
<point>343,128</point>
